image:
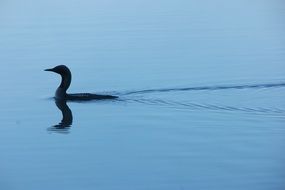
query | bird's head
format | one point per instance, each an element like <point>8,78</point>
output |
<point>60,69</point>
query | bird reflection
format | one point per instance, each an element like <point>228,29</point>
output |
<point>66,121</point>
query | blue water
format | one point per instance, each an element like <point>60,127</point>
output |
<point>201,86</point>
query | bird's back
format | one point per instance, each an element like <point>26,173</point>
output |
<point>89,96</point>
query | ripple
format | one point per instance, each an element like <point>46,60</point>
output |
<point>208,88</point>
<point>212,107</point>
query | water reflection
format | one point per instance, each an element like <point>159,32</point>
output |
<point>66,121</point>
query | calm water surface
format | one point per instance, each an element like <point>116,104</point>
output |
<point>201,88</point>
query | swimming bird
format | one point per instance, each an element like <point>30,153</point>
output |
<point>61,93</point>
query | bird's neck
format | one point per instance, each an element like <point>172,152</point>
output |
<point>65,81</point>
<point>64,85</point>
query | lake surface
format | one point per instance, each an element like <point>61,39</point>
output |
<point>201,88</point>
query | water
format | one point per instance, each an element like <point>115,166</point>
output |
<point>201,88</point>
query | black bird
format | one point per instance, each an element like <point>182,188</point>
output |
<point>61,94</point>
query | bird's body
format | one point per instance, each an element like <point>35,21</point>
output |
<point>61,93</point>
<point>88,96</point>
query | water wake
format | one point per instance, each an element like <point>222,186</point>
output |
<point>212,107</point>
<point>195,106</point>
<point>200,88</point>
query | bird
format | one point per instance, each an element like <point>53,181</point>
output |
<point>61,93</point>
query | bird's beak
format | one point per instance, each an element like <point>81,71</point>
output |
<point>48,70</point>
